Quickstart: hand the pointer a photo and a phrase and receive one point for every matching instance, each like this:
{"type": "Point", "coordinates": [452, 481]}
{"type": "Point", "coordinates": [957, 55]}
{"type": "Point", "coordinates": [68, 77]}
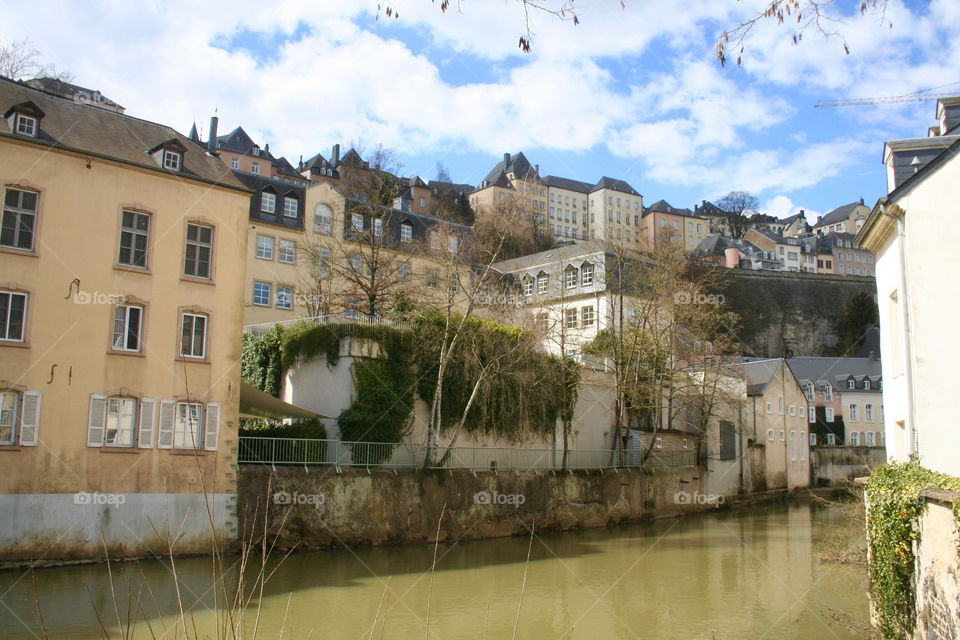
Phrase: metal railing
{"type": "Point", "coordinates": [339, 454]}
{"type": "Point", "coordinates": [330, 318]}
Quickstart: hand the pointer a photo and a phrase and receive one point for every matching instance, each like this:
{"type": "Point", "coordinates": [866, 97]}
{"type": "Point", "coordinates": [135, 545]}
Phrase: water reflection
{"type": "Point", "coordinates": [725, 575]}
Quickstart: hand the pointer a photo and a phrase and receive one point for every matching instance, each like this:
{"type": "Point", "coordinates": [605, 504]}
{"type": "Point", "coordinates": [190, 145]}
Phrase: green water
{"type": "Point", "coordinates": [749, 574]}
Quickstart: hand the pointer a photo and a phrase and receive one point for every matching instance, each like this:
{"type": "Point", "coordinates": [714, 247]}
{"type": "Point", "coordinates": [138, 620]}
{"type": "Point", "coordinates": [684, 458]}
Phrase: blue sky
{"type": "Point", "coordinates": [632, 93]}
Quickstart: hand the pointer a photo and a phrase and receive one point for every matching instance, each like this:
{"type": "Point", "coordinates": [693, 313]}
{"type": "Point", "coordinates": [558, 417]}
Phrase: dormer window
{"type": "Point", "coordinates": [866, 385]}
{"type": "Point", "coordinates": [169, 154]}
{"type": "Point", "coordinates": [171, 160]}
{"type": "Point", "coordinates": [851, 384]}
{"type": "Point", "coordinates": [24, 119]}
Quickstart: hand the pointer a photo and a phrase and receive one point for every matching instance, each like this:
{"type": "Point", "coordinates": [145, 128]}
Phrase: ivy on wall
{"type": "Point", "coordinates": [895, 505]}
{"type": "Point", "coordinates": [524, 397]}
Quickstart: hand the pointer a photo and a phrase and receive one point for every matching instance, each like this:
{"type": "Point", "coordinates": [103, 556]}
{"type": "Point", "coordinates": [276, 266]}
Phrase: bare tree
{"type": "Point", "coordinates": [736, 204]}
{"type": "Point", "coordinates": [20, 59]}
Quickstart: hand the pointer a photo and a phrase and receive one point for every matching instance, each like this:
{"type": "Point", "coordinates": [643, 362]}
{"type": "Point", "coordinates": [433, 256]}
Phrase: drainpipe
{"type": "Point", "coordinates": [740, 441]}
{"type": "Point", "coordinates": [908, 331]}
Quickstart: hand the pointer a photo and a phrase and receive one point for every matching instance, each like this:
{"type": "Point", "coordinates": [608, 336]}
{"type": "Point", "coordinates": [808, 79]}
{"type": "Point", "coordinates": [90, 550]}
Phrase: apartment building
{"type": "Point", "coordinates": [569, 213]}
{"type": "Point", "coordinates": [617, 209]}
{"type": "Point", "coordinates": [123, 252]}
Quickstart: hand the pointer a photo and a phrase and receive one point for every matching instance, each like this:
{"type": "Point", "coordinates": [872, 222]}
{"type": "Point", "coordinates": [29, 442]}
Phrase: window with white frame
{"type": "Point", "coordinates": [542, 281]}
{"type": "Point", "coordinates": [780, 405]}
{"type": "Point", "coordinates": [570, 318]}
{"type": "Point", "coordinates": [866, 385]}
{"type": "Point", "coordinates": [291, 207]}
{"type": "Point", "coordinates": [829, 412]}
{"type": "Point", "coordinates": [355, 263]}
{"type": "Point", "coordinates": [803, 411]}
{"type": "Point", "coordinates": [19, 219]}
{"type": "Point", "coordinates": [268, 202]}
{"type": "Point", "coordinates": [134, 239]}
{"type": "Point", "coordinates": [255, 167]}
{"type": "Point", "coordinates": [769, 407]}
{"type": "Point", "coordinates": [811, 414]}
{"type": "Point", "coordinates": [782, 435]}
{"type": "Point", "coordinates": [570, 277]}
{"type": "Point", "coordinates": [543, 322]}
{"type": "Point", "coordinates": [869, 438]}
{"type": "Point", "coordinates": [406, 232]}
{"type": "Point", "coordinates": [352, 312]}
{"type": "Point", "coordinates": [813, 439]}
{"type": "Point", "coordinates": [127, 321]}
{"type": "Point", "coordinates": [586, 275]}
{"type": "Point", "coordinates": [19, 417]}
{"type": "Point", "coordinates": [120, 422]}
{"type": "Point", "coordinates": [433, 278]}
{"type": "Point", "coordinates": [868, 412]}
{"type": "Point", "coordinates": [288, 252]}
{"type": "Point", "coordinates": [811, 391]}
{"type": "Point", "coordinates": [403, 273]}
{"type": "Point", "coordinates": [853, 413]}
{"type": "Point", "coordinates": [196, 261]}
{"type": "Point", "coordinates": [586, 316]}
{"type": "Point", "coordinates": [356, 221]}
{"type": "Point", "coordinates": [171, 160]}
{"type": "Point", "coordinates": [770, 435]}
{"type": "Point", "coordinates": [284, 297]}
{"type": "Point", "coordinates": [322, 219]}
{"type": "Point", "coordinates": [527, 286]}
{"type": "Point", "coordinates": [851, 384]}
{"type": "Point", "coordinates": [186, 430]}
{"type": "Point", "coordinates": [193, 335]}
{"type": "Point", "coordinates": [13, 315]}
{"type": "Point", "coordinates": [793, 445]}
{"type": "Point", "coordinates": [26, 125]}
{"type": "Point", "coordinates": [265, 247]}
{"type": "Point", "coordinates": [803, 445]}
{"type": "Point", "coordinates": [854, 438]}
{"type": "Point", "coordinates": [454, 283]}
{"type": "Point", "coordinates": [831, 439]}
{"type": "Point", "coordinates": [377, 227]}
{"type": "Point", "coordinates": [234, 163]}
{"type": "Point", "coordinates": [828, 392]}
{"type": "Point", "coordinates": [792, 410]}
{"type": "Point", "coordinates": [322, 264]}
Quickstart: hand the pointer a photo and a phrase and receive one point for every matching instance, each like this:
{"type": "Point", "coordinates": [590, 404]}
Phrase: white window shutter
{"type": "Point", "coordinates": [30, 418]}
{"type": "Point", "coordinates": [168, 410]}
{"type": "Point", "coordinates": [98, 420]}
{"type": "Point", "coordinates": [211, 434]}
{"type": "Point", "coordinates": [148, 415]}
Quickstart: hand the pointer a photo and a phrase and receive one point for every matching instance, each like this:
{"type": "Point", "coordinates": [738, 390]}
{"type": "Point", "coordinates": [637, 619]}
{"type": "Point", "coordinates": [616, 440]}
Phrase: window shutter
{"type": "Point", "coordinates": [148, 413]}
{"type": "Point", "coordinates": [211, 434]}
{"type": "Point", "coordinates": [30, 418]}
{"type": "Point", "coordinates": [168, 409]}
{"type": "Point", "coordinates": [97, 421]}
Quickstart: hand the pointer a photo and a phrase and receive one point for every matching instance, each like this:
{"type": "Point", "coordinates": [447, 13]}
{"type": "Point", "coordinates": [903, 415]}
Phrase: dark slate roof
{"type": "Point", "coordinates": [283, 167]}
{"type": "Point", "coordinates": [103, 133]}
{"type": "Point", "coordinates": [791, 219]}
{"type": "Point", "coordinates": [835, 370]}
{"type": "Point", "coordinates": [758, 374]}
{"type": "Point", "coordinates": [449, 188]}
{"type": "Point", "coordinates": [615, 185]}
{"type": "Point", "coordinates": [840, 214]}
{"type": "Point", "coordinates": [319, 165]}
{"type": "Point", "coordinates": [259, 183]}
{"type": "Point", "coordinates": [68, 90]}
{"type": "Point", "coordinates": [352, 159]}
{"type": "Point", "coordinates": [516, 164]}
{"type": "Point", "coordinates": [709, 209]}
{"type": "Point", "coordinates": [871, 343]}
{"type": "Point", "coordinates": [567, 183]}
{"type": "Point", "coordinates": [238, 141]}
{"type": "Point", "coordinates": [420, 224]}
{"type": "Point", "coordinates": [662, 206]}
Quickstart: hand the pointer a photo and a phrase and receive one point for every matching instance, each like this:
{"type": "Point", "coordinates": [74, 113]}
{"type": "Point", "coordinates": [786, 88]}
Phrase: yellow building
{"type": "Point", "coordinates": [122, 260]}
{"type": "Point", "coordinates": [515, 185]}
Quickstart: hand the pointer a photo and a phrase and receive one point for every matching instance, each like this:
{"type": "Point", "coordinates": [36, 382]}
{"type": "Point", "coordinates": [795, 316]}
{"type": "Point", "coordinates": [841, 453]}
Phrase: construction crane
{"type": "Point", "coordinates": [909, 97]}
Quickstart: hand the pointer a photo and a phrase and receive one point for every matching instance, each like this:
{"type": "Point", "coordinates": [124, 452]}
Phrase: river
{"type": "Point", "coordinates": [740, 574]}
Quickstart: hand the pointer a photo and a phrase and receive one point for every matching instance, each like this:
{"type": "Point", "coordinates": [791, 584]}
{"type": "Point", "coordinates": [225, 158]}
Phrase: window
{"type": "Point", "coordinates": [542, 281]}
{"type": "Point", "coordinates": [199, 243]}
{"type": "Point", "coordinates": [291, 207]}
{"type": "Point", "coordinates": [356, 221]}
{"type": "Point", "coordinates": [193, 335]}
{"type": "Point", "coordinates": [866, 385]}
{"type": "Point", "coordinates": [186, 430]}
{"type": "Point", "coordinates": [770, 435]}
{"type": "Point", "coordinates": [255, 167]}
{"type": "Point", "coordinates": [803, 443]}
{"type": "Point", "coordinates": [813, 439]}
{"type": "Point", "coordinates": [26, 407]}
{"type": "Point", "coordinates": [831, 439]}
{"type": "Point", "coordinates": [868, 412]}
{"type": "Point", "coordinates": [586, 275]}
{"type": "Point", "coordinates": [171, 160]}
{"type": "Point", "coordinates": [851, 384]}
{"type": "Point", "coordinates": [13, 314]}
{"type": "Point", "coordinates": [811, 414]}
{"type": "Point", "coordinates": [829, 412]}
{"type": "Point", "coordinates": [19, 219]}
{"type": "Point", "coordinates": [433, 278]}
{"type": "Point", "coordinates": [793, 445]}
{"type": "Point", "coordinates": [542, 322]}
{"type": "Point", "coordinates": [422, 203]}
{"type": "Point", "coordinates": [853, 413]}
{"type": "Point", "coordinates": [406, 232]}
{"type": "Point", "coordinates": [403, 273]}
{"type": "Point", "coordinates": [854, 438]}
{"type": "Point", "coordinates": [810, 392]}
{"type": "Point", "coordinates": [869, 438]}
{"type": "Point", "coordinates": [268, 202]}
{"type": "Point", "coordinates": [454, 283]}
{"type": "Point", "coordinates": [780, 405]}
{"type": "Point", "coordinates": [803, 411]}
{"type": "Point", "coordinates": [265, 247]}
{"type": "Point", "coordinates": [658, 443]}
{"type": "Point", "coordinates": [234, 163]}
{"type": "Point", "coordinates": [284, 297]}
{"type": "Point", "coordinates": [322, 219]}
{"type": "Point", "coordinates": [377, 227]}
{"type": "Point", "coordinates": [792, 410]}
{"type": "Point", "coordinates": [26, 125]}
{"type": "Point", "coordinates": [352, 311]}
{"type": "Point", "coordinates": [828, 392]}
{"type": "Point", "coordinates": [570, 318]}
{"type": "Point", "coordinates": [121, 413]}
{"type": "Point", "coordinates": [134, 233]}
{"type": "Point", "coordinates": [288, 252]}
{"type": "Point", "coordinates": [127, 320]}
{"type": "Point", "coordinates": [453, 243]}
{"type": "Point", "coordinates": [323, 262]}
{"type": "Point", "coordinates": [586, 316]}
{"type": "Point", "coordinates": [355, 263]}
{"type": "Point", "coordinates": [570, 278]}
{"type": "Point", "coordinates": [769, 407]}
{"type": "Point", "coordinates": [782, 435]}
{"type": "Point", "coordinates": [528, 286]}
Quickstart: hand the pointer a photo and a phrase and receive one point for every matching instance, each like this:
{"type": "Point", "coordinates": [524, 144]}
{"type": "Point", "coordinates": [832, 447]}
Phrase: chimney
{"type": "Point", "coordinates": [266, 149]}
{"type": "Point", "coordinates": [335, 156]}
{"type": "Point", "coordinates": [506, 160]}
{"type": "Point", "coordinates": [819, 218]}
{"type": "Point", "coordinates": [861, 200]}
{"type": "Point", "coordinates": [212, 140]}
{"type": "Point", "coordinates": [803, 214]}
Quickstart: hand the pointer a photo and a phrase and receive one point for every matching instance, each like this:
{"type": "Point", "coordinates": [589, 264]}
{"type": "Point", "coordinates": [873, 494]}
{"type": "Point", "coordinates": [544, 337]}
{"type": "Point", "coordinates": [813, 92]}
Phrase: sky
{"type": "Point", "coordinates": [632, 92]}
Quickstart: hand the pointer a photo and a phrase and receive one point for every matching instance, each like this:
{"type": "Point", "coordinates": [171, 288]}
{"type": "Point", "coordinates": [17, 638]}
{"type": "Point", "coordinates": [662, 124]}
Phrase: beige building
{"type": "Point", "coordinates": [616, 213]}
{"type": "Point", "coordinates": [122, 253]}
{"type": "Point", "coordinates": [568, 209]}
{"type": "Point", "coordinates": [515, 185]}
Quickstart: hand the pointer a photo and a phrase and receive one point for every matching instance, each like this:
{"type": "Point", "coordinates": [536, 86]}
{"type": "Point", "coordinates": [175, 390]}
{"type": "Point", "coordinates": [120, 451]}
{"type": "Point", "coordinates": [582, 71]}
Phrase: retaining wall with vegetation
{"type": "Point", "coordinates": [320, 509]}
